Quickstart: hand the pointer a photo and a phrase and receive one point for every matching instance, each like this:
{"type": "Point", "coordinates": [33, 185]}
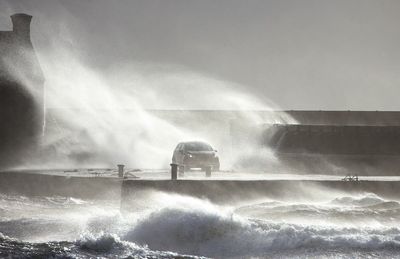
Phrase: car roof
{"type": "Point", "coordinates": [195, 142]}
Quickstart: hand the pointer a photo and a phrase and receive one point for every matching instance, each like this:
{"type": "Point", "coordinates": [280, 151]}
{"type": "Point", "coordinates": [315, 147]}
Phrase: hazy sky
{"type": "Point", "coordinates": [308, 54]}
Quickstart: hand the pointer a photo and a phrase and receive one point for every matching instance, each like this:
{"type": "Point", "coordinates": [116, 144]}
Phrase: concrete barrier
{"type": "Point", "coordinates": [222, 191]}
{"type": "Point", "coordinates": [35, 184]}
{"type": "Point", "coordinates": [219, 191]}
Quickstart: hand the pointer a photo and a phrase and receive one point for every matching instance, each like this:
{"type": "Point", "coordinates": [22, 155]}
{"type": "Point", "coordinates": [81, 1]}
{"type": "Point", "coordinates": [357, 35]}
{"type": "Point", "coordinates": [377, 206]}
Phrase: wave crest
{"type": "Point", "coordinates": [367, 199]}
{"type": "Point", "coordinates": [207, 233]}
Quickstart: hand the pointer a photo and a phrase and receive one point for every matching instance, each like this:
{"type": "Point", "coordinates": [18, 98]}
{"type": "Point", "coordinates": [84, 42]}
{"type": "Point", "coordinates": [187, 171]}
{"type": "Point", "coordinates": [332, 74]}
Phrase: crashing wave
{"type": "Point", "coordinates": [101, 246]}
{"type": "Point", "coordinates": [367, 199]}
{"type": "Point", "coordinates": [192, 226]}
{"type": "Point", "coordinates": [215, 234]}
{"type": "Point", "coordinates": [112, 245]}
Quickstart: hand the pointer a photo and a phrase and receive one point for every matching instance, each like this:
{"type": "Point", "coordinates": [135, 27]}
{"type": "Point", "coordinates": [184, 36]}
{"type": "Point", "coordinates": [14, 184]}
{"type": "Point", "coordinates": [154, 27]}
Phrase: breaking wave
{"type": "Point", "coordinates": [215, 234]}
{"type": "Point", "coordinates": [367, 199]}
{"type": "Point", "coordinates": [344, 211]}
{"type": "Point", "coordinates": [102, 246]}
{"type": "Point", "coordinates": [112, 245]}
{"type": "Point", "coordinates": [176, 226]}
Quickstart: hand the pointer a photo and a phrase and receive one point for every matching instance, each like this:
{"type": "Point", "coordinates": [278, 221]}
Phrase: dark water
{"type": "Point", "coordinates": [173, 226]}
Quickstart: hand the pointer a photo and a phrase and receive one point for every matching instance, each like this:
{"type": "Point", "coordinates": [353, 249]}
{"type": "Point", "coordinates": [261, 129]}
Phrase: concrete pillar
{"type": "Point", "coordinates": [174, 171]}
{"type": "Point", "coordinates": [121, 171]}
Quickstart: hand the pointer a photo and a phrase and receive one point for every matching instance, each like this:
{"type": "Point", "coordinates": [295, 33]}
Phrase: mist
{"type": "Point", "coordinates": [98, 94]}
{"type": "Point", "coordinates": [314, 55]}
{"type": "Point", "coordinates": [99, 119]}
{"type": "Point", "coordinates": [98, 116]}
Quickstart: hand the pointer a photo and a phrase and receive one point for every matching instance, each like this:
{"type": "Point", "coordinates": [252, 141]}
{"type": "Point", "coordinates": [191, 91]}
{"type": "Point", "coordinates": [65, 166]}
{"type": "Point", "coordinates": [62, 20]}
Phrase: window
{"type": "Point", "coordinates": [198, 146]}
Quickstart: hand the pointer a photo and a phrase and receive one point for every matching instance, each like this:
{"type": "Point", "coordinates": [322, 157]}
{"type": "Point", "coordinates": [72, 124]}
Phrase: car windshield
{"type": "Point", "coordinates": [197, 147]}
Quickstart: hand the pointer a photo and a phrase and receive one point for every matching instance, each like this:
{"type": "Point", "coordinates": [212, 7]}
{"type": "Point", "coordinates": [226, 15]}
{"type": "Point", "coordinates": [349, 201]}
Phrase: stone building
{"type": "Point", "coordinates": [21, 93]}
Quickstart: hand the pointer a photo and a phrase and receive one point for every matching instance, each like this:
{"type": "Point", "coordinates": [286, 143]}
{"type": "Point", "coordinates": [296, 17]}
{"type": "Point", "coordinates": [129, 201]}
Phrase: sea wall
{"type": "Point", "coordinates": [238, 190]}
{"type": "Point", "coordinates": [30, 183]}
{"type": "Point", "coordinates": [333, 139]}
{"type": "Point", "coordinates": [36, 184]}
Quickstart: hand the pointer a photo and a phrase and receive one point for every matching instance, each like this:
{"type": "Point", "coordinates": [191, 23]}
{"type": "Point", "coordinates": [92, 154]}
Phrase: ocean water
{"type": "Point", "coordinates": [164, 225]}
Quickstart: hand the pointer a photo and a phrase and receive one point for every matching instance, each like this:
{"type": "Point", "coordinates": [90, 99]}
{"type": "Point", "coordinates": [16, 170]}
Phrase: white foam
{"type": "Point", "coordinates": [215, 233]}
{"type": "Point", "coordinates": [188, 225]}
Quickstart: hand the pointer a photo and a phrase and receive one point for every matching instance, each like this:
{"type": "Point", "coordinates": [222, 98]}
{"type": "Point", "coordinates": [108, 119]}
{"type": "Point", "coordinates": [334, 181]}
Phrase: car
{"type": "Point", "coordinates": [195, 154]}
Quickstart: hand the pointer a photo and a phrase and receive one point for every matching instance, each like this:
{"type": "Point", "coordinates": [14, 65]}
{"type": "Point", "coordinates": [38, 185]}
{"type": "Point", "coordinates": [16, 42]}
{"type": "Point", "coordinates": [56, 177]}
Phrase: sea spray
{"type": "Point", "coordinates": [99, 117]}
{"type": "Point", "coordinates": [176, 224]}
{"type": "Point", "coordinates": [195, 231]}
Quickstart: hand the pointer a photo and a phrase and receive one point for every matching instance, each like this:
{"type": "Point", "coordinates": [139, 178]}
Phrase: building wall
{"type": "Point", "coordinates": [21, 93]}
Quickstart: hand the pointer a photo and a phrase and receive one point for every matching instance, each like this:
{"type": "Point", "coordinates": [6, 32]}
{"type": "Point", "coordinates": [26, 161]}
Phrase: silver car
{"type": "Point", "coordinates": [195, 154]}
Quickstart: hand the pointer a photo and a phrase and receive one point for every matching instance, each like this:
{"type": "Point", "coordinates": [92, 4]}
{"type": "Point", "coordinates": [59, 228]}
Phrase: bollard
{"type": "Point", "coordinates": [208, 171]}
{"type": "Point", "coordinates": [120, 171]}
{"type": "Point", "coordinates": [174, 171]}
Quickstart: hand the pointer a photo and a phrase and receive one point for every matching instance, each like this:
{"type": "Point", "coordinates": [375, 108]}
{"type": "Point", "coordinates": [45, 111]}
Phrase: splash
{"type": "Point", "coordinates": [98, 118]}
{"type": "Point", "coordinates": [365, 224]}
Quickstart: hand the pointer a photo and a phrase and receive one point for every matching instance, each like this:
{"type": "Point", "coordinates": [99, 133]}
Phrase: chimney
{"type": "Point", "coordinates": [22, 25]}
